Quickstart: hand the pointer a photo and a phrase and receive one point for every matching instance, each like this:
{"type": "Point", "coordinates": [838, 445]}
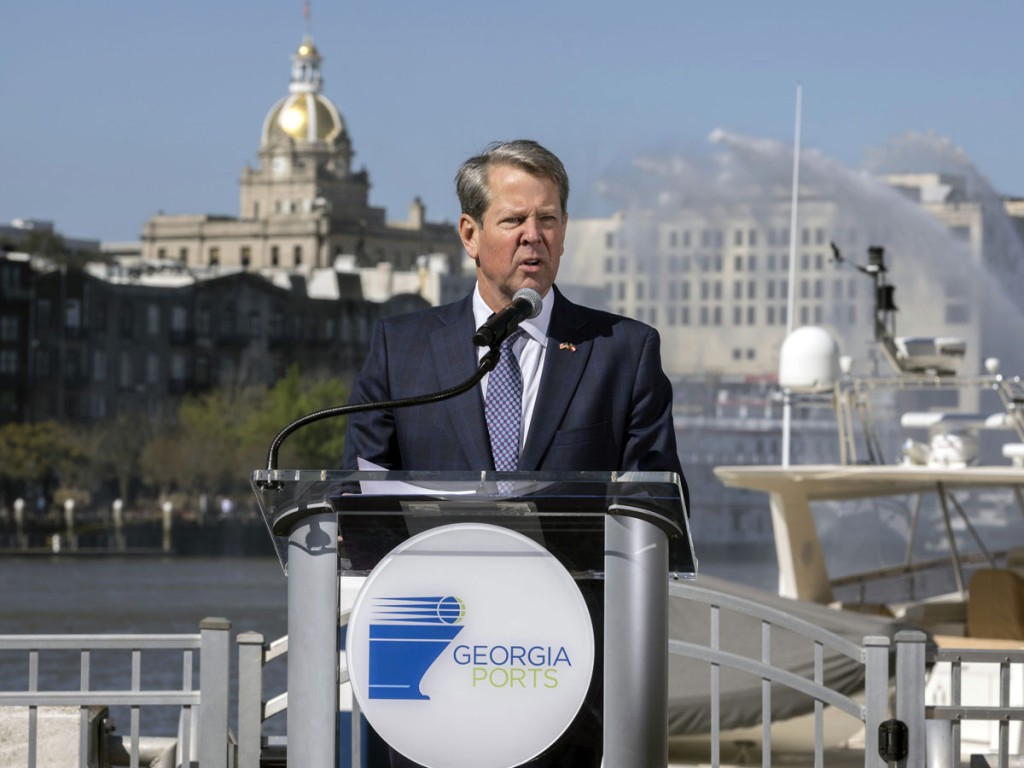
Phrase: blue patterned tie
{"type": "Point", "coordinates": [503, 406]}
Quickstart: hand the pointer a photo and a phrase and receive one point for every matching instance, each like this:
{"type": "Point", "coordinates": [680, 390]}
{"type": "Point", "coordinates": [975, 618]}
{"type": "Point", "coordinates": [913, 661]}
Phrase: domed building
{"type": "Point", "coordinates": [304, 206]}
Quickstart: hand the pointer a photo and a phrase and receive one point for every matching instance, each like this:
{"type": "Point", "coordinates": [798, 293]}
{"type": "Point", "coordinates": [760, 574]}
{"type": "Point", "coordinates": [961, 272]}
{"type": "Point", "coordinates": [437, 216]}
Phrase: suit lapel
{"type": "Point", "coordinates": [455, 361]}
{"type": "Point", "coordinates": [564, 362]}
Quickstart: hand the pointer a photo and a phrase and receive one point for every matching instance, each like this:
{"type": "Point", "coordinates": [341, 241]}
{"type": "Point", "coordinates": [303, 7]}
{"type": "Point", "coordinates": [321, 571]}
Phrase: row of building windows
{"type": "Point", "coordinates": [741, 237]}
{"type": "Point", "coordinates": [714, 289]}
{"type": "Point", "coordinates": [715, 315]}
{"type": "Point", "coordinates": [713, 263]}
{"type": "Point", "coordinates": [715, 238]}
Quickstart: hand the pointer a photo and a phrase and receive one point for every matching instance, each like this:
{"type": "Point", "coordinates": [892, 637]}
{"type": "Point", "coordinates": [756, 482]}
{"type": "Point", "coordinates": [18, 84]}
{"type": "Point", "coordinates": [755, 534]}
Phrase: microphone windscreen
{"type": "Point", "coordinates": [532, 296]}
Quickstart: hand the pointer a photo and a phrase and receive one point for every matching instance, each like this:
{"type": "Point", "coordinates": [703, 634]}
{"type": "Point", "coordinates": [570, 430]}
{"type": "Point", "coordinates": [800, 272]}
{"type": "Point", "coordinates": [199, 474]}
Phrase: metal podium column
{"type": "Point", "coordinates": [635, 644]}
{"type": "Point", "coordinates": [313, 642]}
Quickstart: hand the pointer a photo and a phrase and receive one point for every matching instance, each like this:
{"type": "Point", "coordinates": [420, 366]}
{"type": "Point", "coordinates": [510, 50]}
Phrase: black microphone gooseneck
{"type": "Point", "coordinates": [487, 363]}
{"type": "Point", "coordinates": [526, 303]}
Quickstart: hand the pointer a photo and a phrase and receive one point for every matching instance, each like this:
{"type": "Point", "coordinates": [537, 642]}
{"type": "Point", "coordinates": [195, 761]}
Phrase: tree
{"type": "Point", "coordinates": [34, 457]}
{"type": "Point", "coordinates": [316, 446]}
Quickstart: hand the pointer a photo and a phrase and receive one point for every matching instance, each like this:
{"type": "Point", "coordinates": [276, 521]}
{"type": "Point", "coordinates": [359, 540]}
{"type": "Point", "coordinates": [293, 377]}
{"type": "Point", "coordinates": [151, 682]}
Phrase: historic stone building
{"type": "Point", "coordinates": [304, 204]}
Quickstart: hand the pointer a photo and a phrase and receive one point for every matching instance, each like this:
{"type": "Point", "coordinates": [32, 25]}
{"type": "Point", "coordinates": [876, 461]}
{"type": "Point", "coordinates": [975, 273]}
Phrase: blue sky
{"type": "Point", "coordinates": [113, 110]}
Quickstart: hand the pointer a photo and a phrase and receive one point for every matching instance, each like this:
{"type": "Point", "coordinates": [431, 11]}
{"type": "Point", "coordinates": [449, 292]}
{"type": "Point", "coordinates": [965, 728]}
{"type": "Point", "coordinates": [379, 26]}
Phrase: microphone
{"type": "Point", "coordinates": [526, 303]}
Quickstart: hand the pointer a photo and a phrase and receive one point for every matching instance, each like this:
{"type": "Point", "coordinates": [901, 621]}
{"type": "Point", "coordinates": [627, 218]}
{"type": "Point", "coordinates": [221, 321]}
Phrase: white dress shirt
{"type": "Point", "coordinates": [529, 350]}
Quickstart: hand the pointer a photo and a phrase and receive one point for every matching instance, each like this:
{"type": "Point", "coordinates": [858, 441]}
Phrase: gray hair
{"type": "Point", "coordinates": [472, 183]}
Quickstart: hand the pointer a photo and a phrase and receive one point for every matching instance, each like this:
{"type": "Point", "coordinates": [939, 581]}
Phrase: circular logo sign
{"type": "Point", "coordinates": [470, 646]}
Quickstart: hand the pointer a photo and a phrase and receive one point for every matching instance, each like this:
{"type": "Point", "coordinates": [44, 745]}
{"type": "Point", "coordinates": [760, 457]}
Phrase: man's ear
{"type": "Point", "coordinates": [469, 232]}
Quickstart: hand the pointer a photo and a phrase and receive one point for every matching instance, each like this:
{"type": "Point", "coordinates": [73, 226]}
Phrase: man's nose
{"type": "Point", "coordinates": [531, 230]}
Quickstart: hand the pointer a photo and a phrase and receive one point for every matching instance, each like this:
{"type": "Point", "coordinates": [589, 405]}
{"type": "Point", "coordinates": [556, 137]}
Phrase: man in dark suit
{"type": "Point", "coordinates": [594, 395]}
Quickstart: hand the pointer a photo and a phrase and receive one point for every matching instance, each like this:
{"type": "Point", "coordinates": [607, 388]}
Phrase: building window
{"type": "Point", "coordinates": [99, 365]}
{"type": "Point", "coordinates": [737, 237]}
{"type": "Point", "coordinates": [609, 240]}
{"type": "Point", "coordinates": [769, 315]}
{"type": "Point", "coordinates": [183, 254]}
{"type": "Point", "coordinates": [178, 318]}
{"type": "Point", "coordinates": [737, 263]}
{"type": "Point", "coordinates": [153, 319]}
{"type": "Point", "coordinates": [737, 289]}
{"type": "Point", "coordinates": [214, 256]}
{"type": "Point", "coordinates": [957, 314]}
{"type": "Point", "coordinates": [275, 256]}
{"type": "Point", "coordinates": [8, 361]}
{"type": "Point", "coordinates": [752, 237]}
{"type": "Point", "coordinates": [686, 316]}
{"type": "Point", "coordinates": [752, 262]}
{"type": "Point", "coordinates": [246, 256]}
{"type": "Point", "coordinates": [297, 255]}
{"type": "Point", "coordinates": [178, 366]}
{"type": "Point", "coordinates": [73, 314]}
{"type": "Point", "coordinates": [9, 328]}
{"type": "Point", "coordinates": [152, 368]}
{"type": "Point", "coordinates": [751, 316]}
{"type": "Point", "coordinates": [126, 370]}
{"type": "Point", "coordinates": [737, 315]}
{"type": "Point", "coordinates": [673, 239]}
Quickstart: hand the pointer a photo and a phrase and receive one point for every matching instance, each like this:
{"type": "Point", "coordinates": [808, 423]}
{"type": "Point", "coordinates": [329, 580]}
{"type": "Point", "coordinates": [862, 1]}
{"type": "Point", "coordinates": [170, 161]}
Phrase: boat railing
{"type": "Point", "coordinates": [874, 655]}
{"type": "Point", "coordinates": [25, 713]}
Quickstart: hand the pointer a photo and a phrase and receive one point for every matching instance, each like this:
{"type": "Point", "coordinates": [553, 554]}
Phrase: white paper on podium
{"type": "Point", "coordinates": [397, 487]}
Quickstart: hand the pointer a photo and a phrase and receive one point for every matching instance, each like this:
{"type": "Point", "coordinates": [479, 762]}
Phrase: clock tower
{"type": "Point", "coordinates": [305, 154]}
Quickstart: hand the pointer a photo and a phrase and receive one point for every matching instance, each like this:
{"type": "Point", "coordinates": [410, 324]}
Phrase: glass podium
{"type": "Point", "coordinates": [628, 529]}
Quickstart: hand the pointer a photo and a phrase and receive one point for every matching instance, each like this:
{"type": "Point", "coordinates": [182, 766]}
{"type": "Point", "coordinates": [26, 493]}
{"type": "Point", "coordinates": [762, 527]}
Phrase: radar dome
{"type": "Point", "coordinates": [809, 360]}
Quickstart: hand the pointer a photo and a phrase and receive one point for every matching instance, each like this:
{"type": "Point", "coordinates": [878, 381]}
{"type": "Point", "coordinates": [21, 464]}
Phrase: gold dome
{"type": "Point", "coordinates": [304, 117]}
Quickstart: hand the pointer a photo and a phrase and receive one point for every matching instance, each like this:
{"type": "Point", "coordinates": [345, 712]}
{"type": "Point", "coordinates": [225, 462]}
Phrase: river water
{"type": "Point", "coordinates": [127, 595]}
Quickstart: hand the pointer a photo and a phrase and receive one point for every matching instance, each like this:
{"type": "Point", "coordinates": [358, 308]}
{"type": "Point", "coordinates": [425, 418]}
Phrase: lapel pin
{"type": "Point", "coordinates": [567, 345]}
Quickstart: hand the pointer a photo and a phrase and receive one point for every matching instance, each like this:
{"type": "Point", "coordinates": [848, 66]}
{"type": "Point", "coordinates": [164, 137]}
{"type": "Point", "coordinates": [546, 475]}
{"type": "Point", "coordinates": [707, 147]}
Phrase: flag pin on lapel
{"type": "Point", "coordinates": [567, 345]}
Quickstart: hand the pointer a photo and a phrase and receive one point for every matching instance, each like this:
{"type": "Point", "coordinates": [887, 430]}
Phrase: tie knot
{"type": "Point", "coordinates": [512, 338]}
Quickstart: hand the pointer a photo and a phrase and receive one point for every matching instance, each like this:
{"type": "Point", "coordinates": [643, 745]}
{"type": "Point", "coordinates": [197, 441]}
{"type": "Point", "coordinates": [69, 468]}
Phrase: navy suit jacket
{"type": "Point", "coordinates": [604, 401]}
{"type": "Point", "coordinates": [604, 404]}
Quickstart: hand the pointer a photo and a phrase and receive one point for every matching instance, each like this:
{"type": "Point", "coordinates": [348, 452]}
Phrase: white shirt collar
{"type": "Point", "coordinates": [537, 327]}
